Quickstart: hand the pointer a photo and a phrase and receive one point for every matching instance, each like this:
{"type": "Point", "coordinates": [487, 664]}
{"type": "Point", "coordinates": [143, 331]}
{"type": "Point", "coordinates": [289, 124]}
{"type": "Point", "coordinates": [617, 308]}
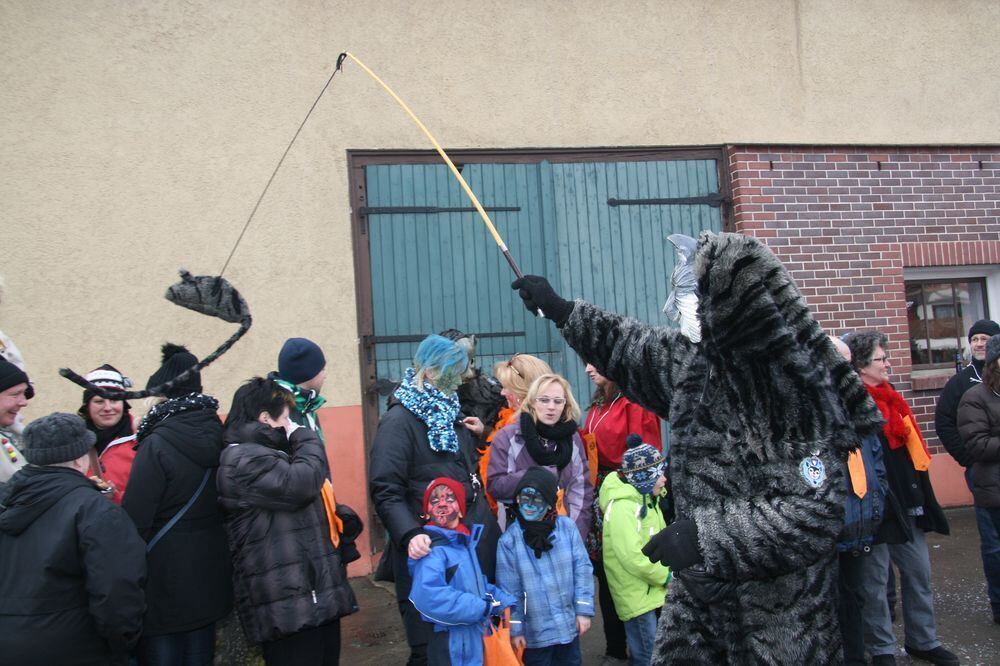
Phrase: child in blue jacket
{"type": "Point", "coordinates": [543, 563]}
{"type": "Point", "coordinates": [449, 588]}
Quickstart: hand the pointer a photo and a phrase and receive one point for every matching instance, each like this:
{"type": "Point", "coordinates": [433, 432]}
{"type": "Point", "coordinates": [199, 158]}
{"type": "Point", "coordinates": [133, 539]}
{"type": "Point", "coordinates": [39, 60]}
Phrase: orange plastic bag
{"type": "Point", "coordinates": [497, 650]}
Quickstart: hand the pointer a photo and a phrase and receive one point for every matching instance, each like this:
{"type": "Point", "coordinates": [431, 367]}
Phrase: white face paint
{"type": "Point", "coordinates": [682, 304]}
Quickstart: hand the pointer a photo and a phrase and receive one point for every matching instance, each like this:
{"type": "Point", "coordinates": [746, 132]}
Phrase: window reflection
{"type": "Point", "coordinates": [939, 313]}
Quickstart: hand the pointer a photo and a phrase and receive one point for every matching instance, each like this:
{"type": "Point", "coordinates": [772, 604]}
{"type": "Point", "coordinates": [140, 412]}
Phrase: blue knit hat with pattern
{"type": "Point", "coordinates": [641, 464]}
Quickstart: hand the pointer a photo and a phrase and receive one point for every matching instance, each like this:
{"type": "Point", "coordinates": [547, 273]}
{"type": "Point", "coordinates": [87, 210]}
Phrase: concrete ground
{"type": "Point", "coordinates": [375, 635]}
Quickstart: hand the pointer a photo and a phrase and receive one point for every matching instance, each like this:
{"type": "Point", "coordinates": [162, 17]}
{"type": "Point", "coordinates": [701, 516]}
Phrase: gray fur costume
{"type": "Point", "coordinates": [752, 408]}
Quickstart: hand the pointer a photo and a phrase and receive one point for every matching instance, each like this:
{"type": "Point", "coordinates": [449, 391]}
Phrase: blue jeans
{"type": "Point", "coordinates": [188, 648]}
{"type": "Point", "coordinates": [567, 654]}
{"type": "Point", "coordinates": [640, 632]}
{"type": "Point", "coordinates": [912, 559]}
{"type": "Point", "coordinates": [989, 548]}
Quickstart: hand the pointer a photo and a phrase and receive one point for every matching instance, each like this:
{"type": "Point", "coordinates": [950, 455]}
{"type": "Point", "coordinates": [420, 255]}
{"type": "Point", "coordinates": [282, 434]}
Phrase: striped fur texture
{"type": "Point", "coordinates": [761, 393]}
{"type": "Point", "coordinates": [208, 294]}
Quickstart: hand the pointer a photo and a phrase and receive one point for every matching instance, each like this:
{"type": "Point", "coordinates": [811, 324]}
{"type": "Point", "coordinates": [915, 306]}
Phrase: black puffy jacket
{"type": "Point", "coordinates": [286, 573]}
{"type": "Point", "coordinates": [190, 574]}
{"type": "Point", "coordinates": [979, 422]}
{"type": "Point", "coordinates": [71, 572]}
{"type": "Point", "coordinates": [401, 465]}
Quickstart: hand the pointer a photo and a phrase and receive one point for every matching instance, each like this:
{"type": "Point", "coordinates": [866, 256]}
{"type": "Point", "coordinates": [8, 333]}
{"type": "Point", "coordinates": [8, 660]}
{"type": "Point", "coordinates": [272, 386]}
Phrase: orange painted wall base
{"type": "Point", "coordinates": [343, 432]}
{"type": "Point", "coordinates": [345, 449]}
{"type": "Point", "coordinates": [948, 479]}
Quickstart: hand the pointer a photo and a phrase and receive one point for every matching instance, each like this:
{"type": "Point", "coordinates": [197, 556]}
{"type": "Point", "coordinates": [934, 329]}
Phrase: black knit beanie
{"type": "Point", "coordinates": [987, 326]}
{"type": "Point", "coordinates": [300, 360]}
{"type": "Point", "coordinates": [543, 481]}
{"type": "Point", "coordinates": [11, 375]}
{"type": "Point", "coordinates": [56, 438]}
{"type": "Point", "coordinates": [176, 359]}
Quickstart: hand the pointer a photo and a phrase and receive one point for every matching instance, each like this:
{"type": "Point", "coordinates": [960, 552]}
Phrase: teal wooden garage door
{"type": "Point", "coordinates": [596, 229]}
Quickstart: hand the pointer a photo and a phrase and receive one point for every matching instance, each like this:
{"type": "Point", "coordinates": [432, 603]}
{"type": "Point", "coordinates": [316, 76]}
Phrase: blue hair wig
{"type": "Point", "coordinates": [441, 353]}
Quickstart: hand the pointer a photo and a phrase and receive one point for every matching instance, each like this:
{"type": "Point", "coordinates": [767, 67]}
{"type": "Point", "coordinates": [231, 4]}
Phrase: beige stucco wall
{"type": "Point", "coordinates": [135, 137]}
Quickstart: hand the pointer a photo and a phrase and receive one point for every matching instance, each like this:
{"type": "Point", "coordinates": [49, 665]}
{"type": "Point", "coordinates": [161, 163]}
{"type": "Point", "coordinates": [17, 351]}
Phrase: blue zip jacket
{"type": "Point", "coordinates": [450, 592]}
{"type": "Point", "coordinates": [550, 591]}
{"type": "Point", "coordinates": [863, 516]}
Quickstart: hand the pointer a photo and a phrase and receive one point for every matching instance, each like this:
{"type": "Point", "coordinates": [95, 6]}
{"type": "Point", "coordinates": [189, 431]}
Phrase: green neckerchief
{"type": "Point", "coordinates": [306, 404]}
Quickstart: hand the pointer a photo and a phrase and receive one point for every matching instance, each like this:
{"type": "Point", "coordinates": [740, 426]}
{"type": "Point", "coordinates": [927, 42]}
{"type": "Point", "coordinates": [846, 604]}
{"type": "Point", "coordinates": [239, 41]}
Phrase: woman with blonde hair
{"type": "Point", "coordinates": [515, 377]}
{"type": "Point", "coordinates": [545, 435]}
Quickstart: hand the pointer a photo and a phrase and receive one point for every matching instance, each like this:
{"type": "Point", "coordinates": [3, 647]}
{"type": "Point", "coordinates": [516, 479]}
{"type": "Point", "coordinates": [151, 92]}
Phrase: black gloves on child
{"type": "Point", "coordinates": [538, 294]}
{"type": "Point", "coordinates": [675, 546]}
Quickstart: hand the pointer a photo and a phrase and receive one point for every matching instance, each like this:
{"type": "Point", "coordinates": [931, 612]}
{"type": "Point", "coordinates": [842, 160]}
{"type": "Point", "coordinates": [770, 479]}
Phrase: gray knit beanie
{"type": "Point", "coordinates": [56, 438]}
{"type": "Point", "coordinates": [993, 349]}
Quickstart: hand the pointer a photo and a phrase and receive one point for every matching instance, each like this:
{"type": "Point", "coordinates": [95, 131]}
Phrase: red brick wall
{"type": "Point", "coordinates": [847, 220]}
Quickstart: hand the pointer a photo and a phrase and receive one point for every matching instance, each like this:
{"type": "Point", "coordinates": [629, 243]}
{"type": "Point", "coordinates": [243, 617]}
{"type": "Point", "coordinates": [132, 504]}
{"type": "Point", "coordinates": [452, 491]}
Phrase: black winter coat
{"type": "Point", "coordinates": [946, 412]}
{"type": "Point", "coordinates": [190, 575]}
{"type": "Point", "coordinates": [71, 572]}
{"type": "Point", "coordinates": [912, 489]}
{"type": "Point", "coordinates": [979, 423]}
{"type": "Point", "coordinates": [401, 465]}
{"type": "Point", "coordinates": [287, 575]}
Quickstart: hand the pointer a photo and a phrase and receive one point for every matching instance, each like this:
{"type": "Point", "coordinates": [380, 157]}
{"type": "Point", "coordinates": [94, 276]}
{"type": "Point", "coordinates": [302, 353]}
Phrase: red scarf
{"type": "Point", "coordinates": [894, 409]}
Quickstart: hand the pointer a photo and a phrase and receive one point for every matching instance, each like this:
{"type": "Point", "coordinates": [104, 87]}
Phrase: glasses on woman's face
{"type": "Point", "coordinates": [558, 402]}
{"type": "Point", "coordinates": [880, 359]}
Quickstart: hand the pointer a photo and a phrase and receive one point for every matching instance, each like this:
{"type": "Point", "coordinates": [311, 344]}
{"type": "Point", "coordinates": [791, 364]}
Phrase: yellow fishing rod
{"type": "Point", "coordinates": [451, 165]}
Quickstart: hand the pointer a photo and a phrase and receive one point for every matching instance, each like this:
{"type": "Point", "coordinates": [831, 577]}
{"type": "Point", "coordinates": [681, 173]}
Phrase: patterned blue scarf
{"type": "Point", "coordinates": [434, 408]}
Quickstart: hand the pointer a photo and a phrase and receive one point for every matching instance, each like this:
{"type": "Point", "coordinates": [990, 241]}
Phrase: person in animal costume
{"type": "Point", "coordinates": [763, 412]}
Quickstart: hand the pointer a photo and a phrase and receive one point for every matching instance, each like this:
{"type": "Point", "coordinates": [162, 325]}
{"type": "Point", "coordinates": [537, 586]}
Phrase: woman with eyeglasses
{"type": "Point", "coordinates": [420, 438]}
{"type": "Point", "coordinates": [515, 377]}
{"type": "Point", "coordinates": [907, 460]}
{"type": "Point", "coordinates": [544, 435]}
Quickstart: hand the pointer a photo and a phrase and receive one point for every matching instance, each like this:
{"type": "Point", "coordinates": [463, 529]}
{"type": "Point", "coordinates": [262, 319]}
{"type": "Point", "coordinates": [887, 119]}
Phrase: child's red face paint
{"type": "Point", "coordinates": [443, 507]}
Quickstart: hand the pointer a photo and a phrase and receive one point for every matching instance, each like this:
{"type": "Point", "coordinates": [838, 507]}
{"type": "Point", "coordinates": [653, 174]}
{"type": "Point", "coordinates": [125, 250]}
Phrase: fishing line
{"type": "Point", "coordinates": [280, 162]}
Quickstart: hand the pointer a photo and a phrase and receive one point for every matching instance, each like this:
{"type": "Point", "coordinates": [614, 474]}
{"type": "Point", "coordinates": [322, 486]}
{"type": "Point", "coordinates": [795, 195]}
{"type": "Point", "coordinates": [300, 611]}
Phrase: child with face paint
{"type": "Point", "coordinates": [449, 588]}
{"type": "Point", "coordinates": [542, 561]}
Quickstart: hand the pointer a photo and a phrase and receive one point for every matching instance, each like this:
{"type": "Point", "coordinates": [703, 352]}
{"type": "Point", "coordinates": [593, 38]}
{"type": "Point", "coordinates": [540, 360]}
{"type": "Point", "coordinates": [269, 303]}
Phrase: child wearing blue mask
{"type": "Point", "coordinates": [542, 561]}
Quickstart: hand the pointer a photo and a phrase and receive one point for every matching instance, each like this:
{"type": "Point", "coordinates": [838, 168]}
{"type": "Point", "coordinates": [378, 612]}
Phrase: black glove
{"type": "Point", "coordinates": [538, 294]}
{"type": "Point", "coordinates": [675, 546]}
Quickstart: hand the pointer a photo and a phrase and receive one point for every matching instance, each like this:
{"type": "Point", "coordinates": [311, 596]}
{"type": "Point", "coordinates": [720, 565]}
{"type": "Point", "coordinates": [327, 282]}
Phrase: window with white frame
{"type": "Point", "coordinates": [941, 306]}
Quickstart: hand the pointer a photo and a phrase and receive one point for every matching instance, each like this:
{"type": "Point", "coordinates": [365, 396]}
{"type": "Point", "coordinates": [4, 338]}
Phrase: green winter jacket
{"type": "Point", "coordinates": [637, 585]}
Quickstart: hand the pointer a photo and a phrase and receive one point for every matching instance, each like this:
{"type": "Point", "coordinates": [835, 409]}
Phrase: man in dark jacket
{"type": "Point", "coordinates": [302, 372]}
{"type": "Point", "coordinates": [73, 564]}
{"type": "Point", "coordinates": [946, 426]}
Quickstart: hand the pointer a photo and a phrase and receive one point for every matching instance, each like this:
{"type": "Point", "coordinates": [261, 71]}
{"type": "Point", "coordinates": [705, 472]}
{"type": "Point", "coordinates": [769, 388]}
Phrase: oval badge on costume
{"type": "Point", "coordinates": [813, 471]}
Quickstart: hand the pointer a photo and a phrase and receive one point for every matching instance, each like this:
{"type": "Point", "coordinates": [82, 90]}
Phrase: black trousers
{"type": "Point", "coordinates": [614, 628]}
{"type": "Point", "coordinates": [849, 608]}
{"type": "Point", "coordinates": [320, 645]}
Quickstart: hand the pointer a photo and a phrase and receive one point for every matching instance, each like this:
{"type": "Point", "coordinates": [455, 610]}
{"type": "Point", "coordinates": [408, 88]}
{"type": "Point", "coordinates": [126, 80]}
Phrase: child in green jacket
{"type": "Point", "coordinates": [630, 502]}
